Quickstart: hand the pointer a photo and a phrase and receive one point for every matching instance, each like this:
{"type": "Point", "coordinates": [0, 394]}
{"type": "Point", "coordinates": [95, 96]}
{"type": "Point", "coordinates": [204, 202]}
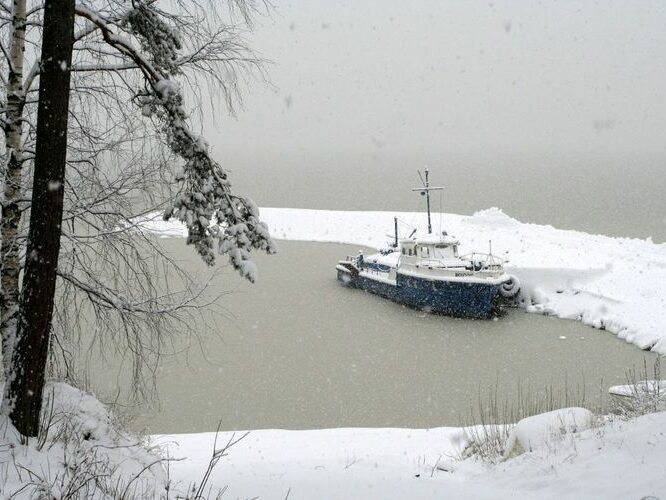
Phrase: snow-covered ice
{"type": "Point", "coordinates": [617, 284]}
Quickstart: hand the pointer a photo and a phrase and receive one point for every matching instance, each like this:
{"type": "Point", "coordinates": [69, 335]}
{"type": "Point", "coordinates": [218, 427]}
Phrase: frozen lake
{"type": "Point", "coordinates": [298, 351]}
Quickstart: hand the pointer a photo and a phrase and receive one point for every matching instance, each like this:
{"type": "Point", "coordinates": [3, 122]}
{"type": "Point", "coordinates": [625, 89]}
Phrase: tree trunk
{"type": "Point", "coordinates": [24, 394]}
{"type": "Point", "coordinates": [10, 265]}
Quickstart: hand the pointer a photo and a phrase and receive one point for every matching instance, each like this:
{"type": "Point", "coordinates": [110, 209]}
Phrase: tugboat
{"type": "Point", "coordinates": [427, 273]}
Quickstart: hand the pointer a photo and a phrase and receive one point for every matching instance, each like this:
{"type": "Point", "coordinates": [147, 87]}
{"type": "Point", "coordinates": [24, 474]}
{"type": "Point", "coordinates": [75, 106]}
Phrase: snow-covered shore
{"type": "Point", "coordinates": [620, 459]}
{"type": "Point", "coordinates": [567, 453]}
{"type": "Point", "coordinates": [617, 284]}
{"type": "Point", "coordinates": [81, 453]}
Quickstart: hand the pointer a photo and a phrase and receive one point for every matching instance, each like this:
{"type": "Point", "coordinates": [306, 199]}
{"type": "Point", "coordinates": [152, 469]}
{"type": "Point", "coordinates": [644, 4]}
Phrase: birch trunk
{"type": "Point", "coordinates": [10, 265]}
{"type": "Point", "coordinates": [33, 333]}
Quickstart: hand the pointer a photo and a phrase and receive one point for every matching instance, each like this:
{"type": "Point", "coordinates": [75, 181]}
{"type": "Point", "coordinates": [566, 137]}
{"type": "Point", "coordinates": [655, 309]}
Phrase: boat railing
{"type": "Point", "coordinates": [426, 262]}
{"type": "Point", "coordinates": [485, 259]}
{"type": "Point", "coordinates": [480, 262]}
{"type": "Point", "coordinates": [368, 266]}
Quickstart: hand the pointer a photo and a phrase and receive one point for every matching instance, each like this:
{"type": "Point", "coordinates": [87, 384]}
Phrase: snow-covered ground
{"type": "Point", "coordinates": [566, 453]}
{"type": "Point", "coordinates": [83, 454]}
{"type": "Point", "coordinates": [610, 460]}
{"type": "Point", "coordinates": [618, 284]}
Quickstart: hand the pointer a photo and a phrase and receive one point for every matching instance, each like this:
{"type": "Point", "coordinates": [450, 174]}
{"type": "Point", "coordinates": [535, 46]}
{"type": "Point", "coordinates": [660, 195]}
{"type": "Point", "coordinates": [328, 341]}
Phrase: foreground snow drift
{"type": "Point", "coordinates": [612, 460]}
{"type": "Point", "coordinates": [617, 284]}
{"type": "Point", "coordinates": [565, 453]}
{"type": "Point", "coordinates": [83, 455]}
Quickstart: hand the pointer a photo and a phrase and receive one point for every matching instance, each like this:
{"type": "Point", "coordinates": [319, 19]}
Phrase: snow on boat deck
{"type": "Point", "coordinates": [617, 284]}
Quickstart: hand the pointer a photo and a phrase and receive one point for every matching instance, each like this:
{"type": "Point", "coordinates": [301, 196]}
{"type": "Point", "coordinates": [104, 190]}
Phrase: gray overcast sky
{"type": "Point", "coordinates": [457, 75]}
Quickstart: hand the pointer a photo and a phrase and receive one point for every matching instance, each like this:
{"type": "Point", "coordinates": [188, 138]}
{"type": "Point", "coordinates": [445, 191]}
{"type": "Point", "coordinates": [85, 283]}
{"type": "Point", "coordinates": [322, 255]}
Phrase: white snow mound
{"type": "Point", "coordinates": [540, 430]}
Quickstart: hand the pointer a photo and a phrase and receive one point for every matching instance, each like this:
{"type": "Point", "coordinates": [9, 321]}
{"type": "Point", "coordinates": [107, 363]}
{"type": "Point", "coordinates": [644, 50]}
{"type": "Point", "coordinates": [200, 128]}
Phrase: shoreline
{"type": "Point", "coordinates": [614, 284]}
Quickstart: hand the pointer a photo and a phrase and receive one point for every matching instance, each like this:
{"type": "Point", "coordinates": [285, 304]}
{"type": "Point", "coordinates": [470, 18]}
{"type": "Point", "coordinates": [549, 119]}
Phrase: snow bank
{"type": "Point", "coordinates": [643, 396]}
{"type": "Point", "coordinates": [614, 460]}
{"type": "Point", "coordinates": [617, 284]}
{"type": "Point", "coordinates": [540, 430]}
{"type": "Point", "coordinates": [83, 455]}
{"type": "Point", "coordinates": [329, 463]}
{"type": "Point", "coordinates": [618, 459]}
{"type": "Point", "coordinates": [642, 387]}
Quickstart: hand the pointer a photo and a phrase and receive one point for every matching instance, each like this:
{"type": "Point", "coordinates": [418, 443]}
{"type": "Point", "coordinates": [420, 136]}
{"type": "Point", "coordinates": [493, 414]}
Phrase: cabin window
{"type": "Point", "coordinates": [443, 252]}
{"type": "Point", "coordinates": [425, 252]}
{"type": "Point", "coordinates": [410, 251]}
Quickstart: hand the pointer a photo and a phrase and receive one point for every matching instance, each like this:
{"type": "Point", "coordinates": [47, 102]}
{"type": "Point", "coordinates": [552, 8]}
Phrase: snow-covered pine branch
{"type": "Point", "coordinates": [205, 202]}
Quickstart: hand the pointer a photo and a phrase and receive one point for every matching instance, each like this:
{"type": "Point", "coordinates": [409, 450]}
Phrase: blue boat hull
{"type": "Point", "coordinates": [454, 298]}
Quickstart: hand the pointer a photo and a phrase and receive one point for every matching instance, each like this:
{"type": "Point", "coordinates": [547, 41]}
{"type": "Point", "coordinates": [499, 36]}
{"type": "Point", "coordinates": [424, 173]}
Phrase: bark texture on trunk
{"type": "Point", "coordinates": [10, 265]}
{"type": "Point", "coordinates": [26, 383]}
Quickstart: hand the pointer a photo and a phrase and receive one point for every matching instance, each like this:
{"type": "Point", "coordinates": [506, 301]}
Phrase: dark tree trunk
{"type": "Point", "coordinates": [24, 393]}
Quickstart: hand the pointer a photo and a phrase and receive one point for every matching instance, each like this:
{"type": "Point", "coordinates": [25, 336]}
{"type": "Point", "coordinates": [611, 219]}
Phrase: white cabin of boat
{"type": "Point", "coordinates": [437, 257]}
{"type": "Point", "coordinates": [441, 249]}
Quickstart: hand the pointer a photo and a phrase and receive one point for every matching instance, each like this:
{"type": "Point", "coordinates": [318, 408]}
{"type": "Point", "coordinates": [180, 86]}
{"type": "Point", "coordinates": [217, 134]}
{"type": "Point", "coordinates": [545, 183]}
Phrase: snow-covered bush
{"type": "Point", "coordinates": [643, 393]}
{"type": "Point", "coordinates": [541, 431]}
{"type": "Point", "coordinates": [494, 430]}
{"type": "Point", "coordinates": [497, 442]}
{"type": "Point", "coordinates": [640, 398]}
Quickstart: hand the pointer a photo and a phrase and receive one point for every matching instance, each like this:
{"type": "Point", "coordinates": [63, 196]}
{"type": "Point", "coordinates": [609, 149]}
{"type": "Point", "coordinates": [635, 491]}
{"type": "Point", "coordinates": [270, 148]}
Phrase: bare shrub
{"type": "Point", "coordinates": [644, 392]}
{"type": "Point", "coordinates": [488, 425]}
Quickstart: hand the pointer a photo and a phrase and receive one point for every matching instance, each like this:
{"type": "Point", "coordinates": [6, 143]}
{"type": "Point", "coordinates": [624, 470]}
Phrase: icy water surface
{"type": "Point", "coordinates": [301, 351]}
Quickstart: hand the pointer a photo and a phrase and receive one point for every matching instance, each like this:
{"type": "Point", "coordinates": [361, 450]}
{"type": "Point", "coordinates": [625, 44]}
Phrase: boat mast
{"type": "Point", "coordinates": [425, 191]}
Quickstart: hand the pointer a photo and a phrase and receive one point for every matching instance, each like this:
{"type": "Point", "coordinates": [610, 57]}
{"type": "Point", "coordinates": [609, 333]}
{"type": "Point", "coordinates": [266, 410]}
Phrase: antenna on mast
{"type": "Point", "coordinates": [425, 191]}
